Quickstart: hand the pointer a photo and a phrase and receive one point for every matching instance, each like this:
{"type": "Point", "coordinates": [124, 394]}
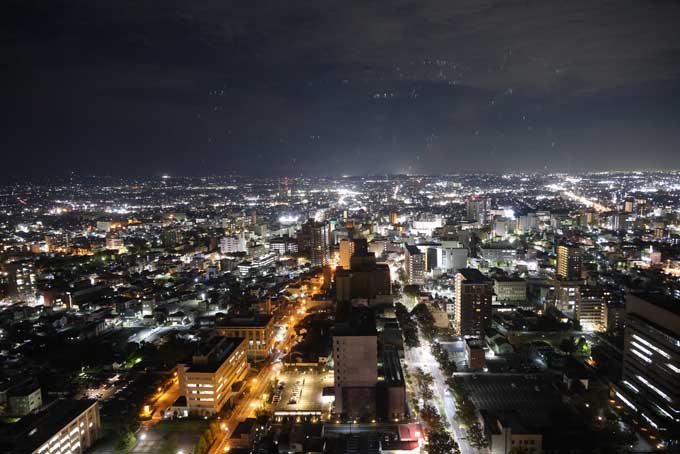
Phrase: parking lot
{"type": "Point", "coordinates": [299, 392]}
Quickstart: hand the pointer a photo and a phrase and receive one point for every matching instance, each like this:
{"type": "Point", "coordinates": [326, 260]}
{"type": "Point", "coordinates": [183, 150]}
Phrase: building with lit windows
{"type": "Point", "coordinates": [474, 295]}
{"type": "Point", "coordinates": [207, 382]}
{"type": "Point", "coordinates": [64, 427]}
{"type": "Point", "coordinates": [414, 264]}
{"type": "Point", "coordinates": [569, 262]}
{"type": "Point", "coordinates": [510, 289]}
{"type": "Point", "coordinates": [22, 280]}
{"type": "Point", "coordinates": [257, 330]}
{"type": "Point", "coordinates": [591, 308]}
{"type": "Point", "coordinates": [650, 384]}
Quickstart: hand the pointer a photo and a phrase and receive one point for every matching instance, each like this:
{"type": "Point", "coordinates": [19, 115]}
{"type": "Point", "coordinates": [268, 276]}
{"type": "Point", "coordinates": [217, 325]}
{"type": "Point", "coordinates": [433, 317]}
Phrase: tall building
{"type": "Point", "coordinates": [474, 296]}
{"type": "Point", "coordinates": [414, 264]}
{"type": "Point", "coordinates": [233, 243]}
{"type": "Point", "coordinates": [349, 247]}
{"type": "Point", "coordinates": [315, 238]}
{"type": "Point", "coordinates": [569, 261]}
{"type": "Point", "coordinates": [476, 209]}
{"type": "Point", "coordinates": [364, 279]}
{"type": "Point", "coordinates": [394, 218]}
{"type": "Point", "coordinates": [22, 280]}
{"type": "Point", "coordinates": [651, 360]}
{"type": "Point", "coordinates": [591, 308]}
{"type": "Point", "coordinates": [355, 356]}
{"type": "Point", "coordinates": [171, 237]}
{"type": "Point", "coordinates": [206, 383]}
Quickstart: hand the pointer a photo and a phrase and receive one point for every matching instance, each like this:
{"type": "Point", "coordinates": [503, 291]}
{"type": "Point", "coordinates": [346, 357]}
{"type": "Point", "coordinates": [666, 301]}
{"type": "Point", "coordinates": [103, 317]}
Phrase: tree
{"type": "Point", "coordinates": [126, 441]}
{"type": "Point", "coordinates": [442, 443]}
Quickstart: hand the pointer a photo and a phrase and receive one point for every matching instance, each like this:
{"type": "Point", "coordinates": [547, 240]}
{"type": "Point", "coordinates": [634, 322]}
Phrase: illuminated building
{"type": "Point", "coordinates": [414, 264]}
{"type": "Point", "coordinates": [64, 427]}
{"type": "Point", "coordinates": [348, 248]}
{"type": "Point", "coordinates": [394, 218]}
{"type": "Point", "coordinates": [315, 238]}
{"type": "Point", "coordinates": [22, 280]}
{"type": "Point", "coordinates": [569, 262]}
{"type": "Point", "coordinates": [207, 382]}
{"type": "Point", "coordinates": [510, 289]}
{"type": "Point", "coordinates": [476, 209]}
{"type": "Point", "coordinates": [257, 330]}
{"type": "Point", "coordinates": [24, 398]}
{"type": "Point", "coordinates": [233, 243]}
{"type": "Point", "coordinates": [474, 295]}
{"type": "Point", "coordinates": [651, 359]}
{"type": "Point", "coordinates": [591, 308]}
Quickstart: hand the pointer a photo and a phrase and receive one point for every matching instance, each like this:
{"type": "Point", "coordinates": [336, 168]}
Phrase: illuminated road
{"type": "Point", "coordinates": [421, 357]}
{"type": "Point", "coordinates": [584, 201]}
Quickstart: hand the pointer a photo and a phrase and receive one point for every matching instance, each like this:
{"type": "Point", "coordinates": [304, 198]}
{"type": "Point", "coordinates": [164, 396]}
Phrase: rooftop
{"type": "Point", "coordinates": [473, 276]}
{"type": "Point", "coordinates": [32, 431]}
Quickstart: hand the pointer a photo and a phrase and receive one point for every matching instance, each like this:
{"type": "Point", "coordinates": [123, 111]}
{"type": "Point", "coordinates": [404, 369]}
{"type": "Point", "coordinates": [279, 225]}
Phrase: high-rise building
{"type": "Point", "coordinates": [315, 238]}
{"type": "Point", "coordinates": [591, 308]}
{"type": "Point", "coordinates": [476, 209]}
{"type": "Point", "coordinates": [394, 218]}
{"type": "Point", "coordinates": [414, 264]}
{"type": "Point", "coordinates": [651, 360]}
{"type": "Point", "coordinates": [22, 280]}
{"type": "Point", "coordinates": [233, 243]}
{"type": "Point", "coordinates": [171, 237]}
{"type": "Point", "coordinates": [364, 279]}
{"type": "Point", "coordinates": [349, 247]}
{"type": "Point", "coordinates": [474, 296]}
{"type": "Point", "coordinates": [355, 356]}
{"type": "Point", "coordinates": [207, 382]}
{"type": "Point", "coordinates": [569, 261]}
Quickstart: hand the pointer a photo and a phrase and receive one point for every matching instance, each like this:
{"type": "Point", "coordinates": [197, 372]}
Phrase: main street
{"type": "Point", "coordinates": [421, 357]}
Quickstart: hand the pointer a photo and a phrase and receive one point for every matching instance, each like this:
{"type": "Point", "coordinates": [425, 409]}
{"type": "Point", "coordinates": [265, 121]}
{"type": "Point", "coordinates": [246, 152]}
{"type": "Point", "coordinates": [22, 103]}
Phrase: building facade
{"type": "Point", "coordinates": [207, 382]}
{"type": "Point", "coordinates": [474, 297]}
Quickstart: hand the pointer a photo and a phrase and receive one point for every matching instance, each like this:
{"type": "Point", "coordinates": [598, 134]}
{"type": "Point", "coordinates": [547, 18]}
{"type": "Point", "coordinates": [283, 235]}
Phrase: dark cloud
{"type": "Point", "coordinates": [322, 86]}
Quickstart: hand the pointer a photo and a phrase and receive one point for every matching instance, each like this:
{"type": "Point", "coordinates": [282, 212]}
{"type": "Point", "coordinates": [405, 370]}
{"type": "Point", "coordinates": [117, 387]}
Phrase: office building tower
{"type": "Point", "coordinates": [349, 247]}
{"type": "Point", "coordinates": [569, 262]}
{"type": "Point", "coordinates": [414, 264]}
{"type": "Point", "coordinates": [206, 383]}
{"type": "Point", "coordinates": [591, 308]}
{"type": "Point", "coordinates": [394, 218]}
{"type": "Point", "coordinates": [22, 280]}
{"type": "Point", "coordinates": [315, 238]}
{"type": "Point", "coordinates": [651, 360]}
{"type": "Point", "coordinates": [355, 356]}
{"type": "Point", "coordinates": [476, 209]}
{"type": "Point", "coordinates": [171, 237]}
{"type": "Point", "coordinates": [233, 243]}
{"type": "Point", "coordinates": [365, 279]}
{"type": "Point", "coordinates": [474, 296]}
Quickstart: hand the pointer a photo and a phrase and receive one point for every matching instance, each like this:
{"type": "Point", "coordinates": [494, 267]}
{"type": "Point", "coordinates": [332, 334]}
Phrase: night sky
{"type": "Point", "coordinates": [318, 87]}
